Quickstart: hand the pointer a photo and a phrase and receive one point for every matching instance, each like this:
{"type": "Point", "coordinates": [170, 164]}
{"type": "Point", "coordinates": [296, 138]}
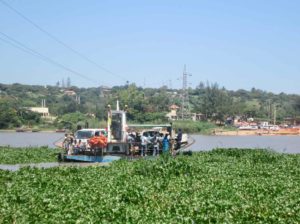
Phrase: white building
{"type": "Point", "coordinates": [41, 110]}
{"type": "Point", "coordinates": [172, 115]}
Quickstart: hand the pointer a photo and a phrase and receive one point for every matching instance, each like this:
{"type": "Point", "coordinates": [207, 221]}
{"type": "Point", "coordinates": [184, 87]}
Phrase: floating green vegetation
{"type": "Point", "coordinates": [221, 186]}
{"type": "Point", "coordinates": [27, 155]}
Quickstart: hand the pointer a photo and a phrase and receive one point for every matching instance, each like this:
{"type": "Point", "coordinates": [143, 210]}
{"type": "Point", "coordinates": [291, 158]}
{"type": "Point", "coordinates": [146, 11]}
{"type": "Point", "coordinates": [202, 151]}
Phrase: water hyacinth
{"type": "Point", "coordinates": [10, 155]}
{"type": "Point", "coordinates": [223, 186]}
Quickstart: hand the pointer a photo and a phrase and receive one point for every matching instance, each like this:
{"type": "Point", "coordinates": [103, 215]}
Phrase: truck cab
{"type": "Point", "coordinates": [84, 134]}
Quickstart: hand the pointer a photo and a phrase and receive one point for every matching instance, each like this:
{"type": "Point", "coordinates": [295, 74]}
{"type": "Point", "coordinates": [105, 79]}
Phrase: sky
{"type": "Point", "coordinates": [237, 44]}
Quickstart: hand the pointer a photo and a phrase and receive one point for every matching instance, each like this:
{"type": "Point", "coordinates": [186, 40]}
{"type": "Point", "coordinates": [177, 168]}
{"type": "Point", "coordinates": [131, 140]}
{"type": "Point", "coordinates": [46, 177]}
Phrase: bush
{"type": "Point", "coordinates": [188, 126]}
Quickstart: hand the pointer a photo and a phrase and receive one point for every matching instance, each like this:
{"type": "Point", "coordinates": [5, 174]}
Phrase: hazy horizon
{"type": "Point", "coordinates": [139, 86]}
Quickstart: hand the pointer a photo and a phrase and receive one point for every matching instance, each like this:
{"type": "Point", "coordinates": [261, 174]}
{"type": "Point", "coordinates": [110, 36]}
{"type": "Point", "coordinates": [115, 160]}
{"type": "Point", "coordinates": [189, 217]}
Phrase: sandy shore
{"type": "Point", "coordinates": [289, 131]}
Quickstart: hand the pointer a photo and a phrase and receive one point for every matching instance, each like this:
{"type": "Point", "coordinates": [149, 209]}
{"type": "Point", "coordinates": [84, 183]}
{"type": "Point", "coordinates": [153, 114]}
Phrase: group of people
{"type": "Point", "coordinates": [156, 142]}
{"type": "Point", "coordinates": [70, 144]}
{"type": "Point", "coordinates": [73, 146]}
{"type": "Point", "coordinates": [137, 142]}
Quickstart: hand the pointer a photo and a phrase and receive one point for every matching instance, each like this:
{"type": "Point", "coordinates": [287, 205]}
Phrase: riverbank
{"type": "Point", "coordinates": [259, 132]}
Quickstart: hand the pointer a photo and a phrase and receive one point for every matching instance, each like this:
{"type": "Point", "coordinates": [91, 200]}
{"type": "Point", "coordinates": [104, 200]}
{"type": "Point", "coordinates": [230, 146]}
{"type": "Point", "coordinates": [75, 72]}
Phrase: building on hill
{"type": "Point", "coordinates": [172, 115]}
{"type": "Point", "coordinates": [104, 91]}
{"type": "Point", "coordinates": [197, 116]}
{"type": "Point", "coordinates": [292, 121]}
{"type": "Point", "coordinates": [44, 111]}
{"type": "Point", "coordinates": [70, 92]}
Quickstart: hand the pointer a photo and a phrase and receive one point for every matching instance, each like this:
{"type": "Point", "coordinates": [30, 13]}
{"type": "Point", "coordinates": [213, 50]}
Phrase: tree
{"type": "Point", "coordinates": [70, 120]}
{"type": "Point", "coordinates": [297, 104]}
{"type": "Point", "coordinates": [214, 102]}
{"type": "Point", "coordinates": [28, 117]}
{"type": "Point", "coordinates": [8, 114]}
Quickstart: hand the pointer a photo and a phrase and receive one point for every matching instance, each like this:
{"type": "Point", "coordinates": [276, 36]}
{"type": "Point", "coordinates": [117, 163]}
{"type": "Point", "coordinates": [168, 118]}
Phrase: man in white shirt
{"type": "Point", "coordinates": [144, 143]}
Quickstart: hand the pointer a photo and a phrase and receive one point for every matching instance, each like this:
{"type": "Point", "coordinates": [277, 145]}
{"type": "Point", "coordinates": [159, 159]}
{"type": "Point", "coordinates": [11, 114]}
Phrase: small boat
{"type": "Point", "coordinates": [22, 129]}
{"type": "Point", "coordinates": [248, 127]}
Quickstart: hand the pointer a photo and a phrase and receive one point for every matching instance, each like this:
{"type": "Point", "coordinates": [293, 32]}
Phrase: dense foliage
{"type": "Point", "coordinates": [218, 103]}
{"type": "Point", "coordinates": [194, 127]}
{"type": "Point", "coordinates": [8, 114]}
{"type": "Point", "coordinates": [223, 186]}
{"type": "Point", "coordinates": [27, 155]}
{"type": "Point", "coordinates": [144, 104]}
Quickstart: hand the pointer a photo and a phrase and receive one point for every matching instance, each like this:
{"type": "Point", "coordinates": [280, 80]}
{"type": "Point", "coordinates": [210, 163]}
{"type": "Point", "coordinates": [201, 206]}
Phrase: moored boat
{"type": "Point", "coordinates": [22, 129]}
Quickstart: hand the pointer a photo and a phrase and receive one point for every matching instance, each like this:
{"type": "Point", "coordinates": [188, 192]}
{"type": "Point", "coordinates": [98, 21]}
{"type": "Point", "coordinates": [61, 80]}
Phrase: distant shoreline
{"type": "Point", "coordinates": [216, 133]}
{"type": "Point", "coordinates": [258, 133]}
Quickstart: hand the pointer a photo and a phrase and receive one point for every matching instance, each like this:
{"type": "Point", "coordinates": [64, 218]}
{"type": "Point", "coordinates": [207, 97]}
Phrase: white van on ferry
{"type": "Point", "coordinates": [83, 135]}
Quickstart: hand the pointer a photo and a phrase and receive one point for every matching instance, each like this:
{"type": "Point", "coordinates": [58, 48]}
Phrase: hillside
{"type": "Point", "coordinates": [145, 105]}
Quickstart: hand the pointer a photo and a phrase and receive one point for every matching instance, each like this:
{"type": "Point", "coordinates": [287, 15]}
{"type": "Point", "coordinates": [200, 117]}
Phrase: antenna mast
{"type": "Point", "coordinates": [185, 106]}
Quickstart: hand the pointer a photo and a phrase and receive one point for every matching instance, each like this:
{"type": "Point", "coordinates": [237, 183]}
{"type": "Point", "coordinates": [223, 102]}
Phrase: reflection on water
{"type": "Point", "coordinates": [286, 144]}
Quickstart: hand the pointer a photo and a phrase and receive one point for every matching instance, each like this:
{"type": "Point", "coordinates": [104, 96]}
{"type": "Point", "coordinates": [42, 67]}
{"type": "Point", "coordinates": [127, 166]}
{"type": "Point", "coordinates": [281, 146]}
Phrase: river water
{"type": "Point", "coordinates": [27, 139]}
{"type": "Point", "coordinates": [287, 144]}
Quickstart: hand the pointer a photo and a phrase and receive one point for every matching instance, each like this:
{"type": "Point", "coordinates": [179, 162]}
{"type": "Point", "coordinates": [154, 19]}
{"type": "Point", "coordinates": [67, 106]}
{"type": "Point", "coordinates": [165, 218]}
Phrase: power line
{"type": "Point", "coordinates": [28, 50]}
{"type": "Point", "coordinates": [59, 41]}
{"type": "Point", "coordinates": [16, 46]}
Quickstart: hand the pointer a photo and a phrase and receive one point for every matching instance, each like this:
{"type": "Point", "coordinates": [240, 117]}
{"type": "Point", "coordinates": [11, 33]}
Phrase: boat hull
{"type": "Point", "coordinates": [94, 159]}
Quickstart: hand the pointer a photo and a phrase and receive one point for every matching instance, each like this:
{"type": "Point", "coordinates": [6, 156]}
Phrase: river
{"type": "Point", "coordinates": [27, 139]}
{"type": "Point", "coordinates": [287, 144]}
